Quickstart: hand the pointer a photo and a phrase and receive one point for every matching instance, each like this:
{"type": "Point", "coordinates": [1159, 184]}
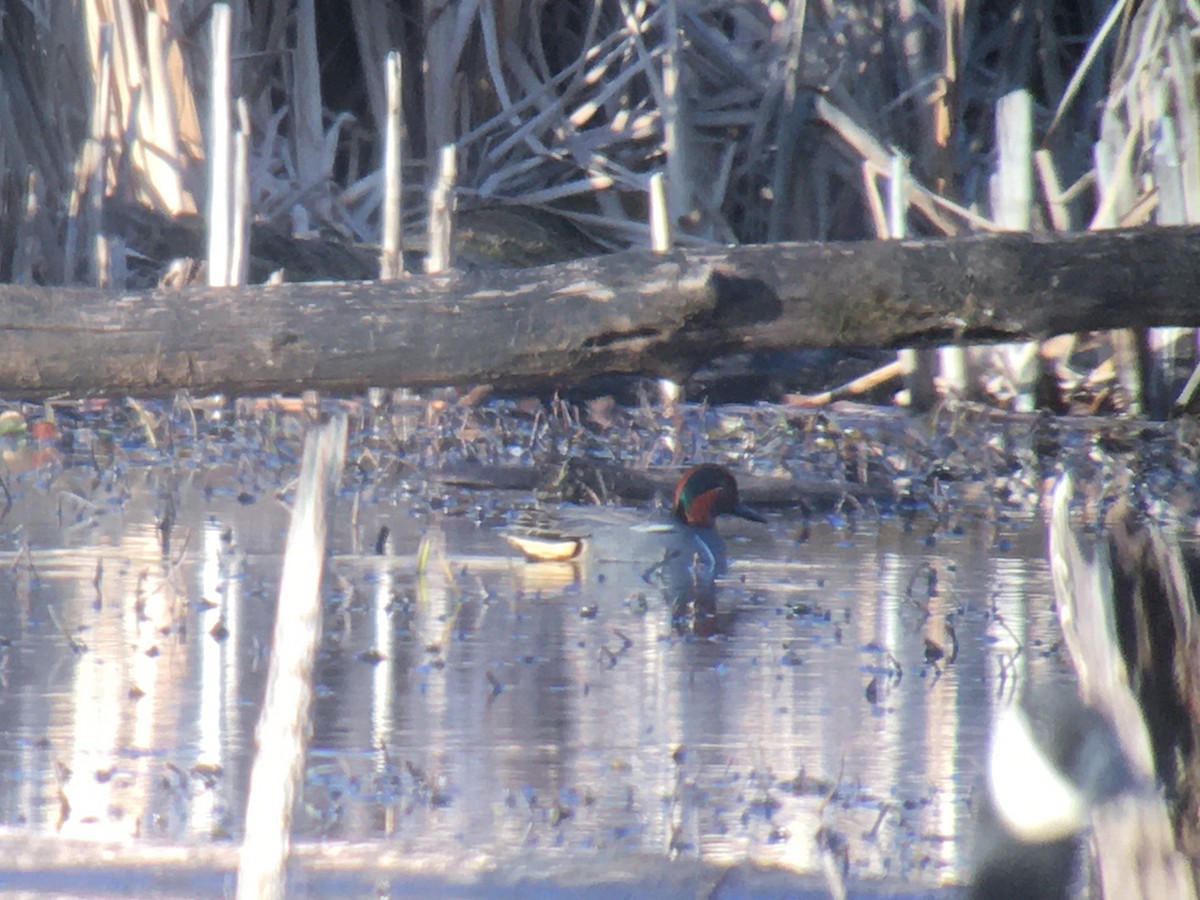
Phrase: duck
{"type": "Point", "coordinates": [608, 534]}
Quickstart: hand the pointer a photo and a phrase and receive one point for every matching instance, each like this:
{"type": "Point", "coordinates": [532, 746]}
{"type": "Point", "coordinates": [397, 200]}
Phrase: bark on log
{"type": "Point", "coordinates": [626, 313]}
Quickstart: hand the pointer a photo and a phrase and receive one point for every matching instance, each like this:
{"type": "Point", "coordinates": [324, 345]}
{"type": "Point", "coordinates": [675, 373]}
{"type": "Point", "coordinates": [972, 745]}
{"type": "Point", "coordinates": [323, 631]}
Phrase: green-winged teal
{"type": "Point", "coordinates": [690, 535]}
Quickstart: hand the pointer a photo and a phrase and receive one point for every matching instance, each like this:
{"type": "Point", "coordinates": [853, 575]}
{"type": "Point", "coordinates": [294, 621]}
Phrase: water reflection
{"type": "Point", "coordinates": [489, 706]}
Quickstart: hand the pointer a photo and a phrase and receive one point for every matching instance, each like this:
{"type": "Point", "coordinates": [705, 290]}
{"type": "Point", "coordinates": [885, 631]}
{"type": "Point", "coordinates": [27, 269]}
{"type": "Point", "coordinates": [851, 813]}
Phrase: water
{"type": "Point", "coordinates": [489, 715]}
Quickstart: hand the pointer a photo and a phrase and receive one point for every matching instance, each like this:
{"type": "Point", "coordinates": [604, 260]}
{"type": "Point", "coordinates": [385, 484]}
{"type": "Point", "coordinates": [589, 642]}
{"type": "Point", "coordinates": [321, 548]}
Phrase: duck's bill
{"type": "Point", "coordinates": [745, 512]}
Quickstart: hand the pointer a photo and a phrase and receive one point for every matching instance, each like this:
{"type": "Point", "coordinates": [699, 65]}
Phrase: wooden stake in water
{"type": "Point", "coordinates": [441, 212]}
{"type": "Point", "coordinates": [219, 143]}
{"type": "Point", "coordinates": [283, 726]}
{"type": "Point", "coordinates": [391, 263]}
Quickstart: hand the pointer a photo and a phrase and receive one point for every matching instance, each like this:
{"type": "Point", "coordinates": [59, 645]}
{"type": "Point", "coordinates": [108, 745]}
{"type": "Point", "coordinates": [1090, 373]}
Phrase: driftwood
{"type": "Point", "coordinates": [631, 312]}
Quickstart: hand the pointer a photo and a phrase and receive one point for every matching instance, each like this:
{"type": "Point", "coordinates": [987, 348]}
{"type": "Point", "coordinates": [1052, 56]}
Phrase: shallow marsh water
{"type": "Point", "coordinates": [475, 713]}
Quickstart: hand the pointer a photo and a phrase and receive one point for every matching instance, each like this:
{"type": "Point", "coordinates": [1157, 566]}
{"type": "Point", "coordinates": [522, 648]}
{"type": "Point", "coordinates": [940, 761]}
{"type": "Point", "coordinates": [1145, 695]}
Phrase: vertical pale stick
{"type": "Point", "coordinates": [163, 159]}
{"type": "Point", "coordinates": [791, 122]}
{"type": "Point", "coordinates": [441, 212]}
{"type": "Point", "coordinates": [660, 224]}
{"type": "Point", "coordinates": [282, 733]}
{"type": "Point", "coordinates": [1012, 208]}
{"type": "Point", "coordinates": [305, 101]}
{"type": "Point", "coordinates": [219, 191]}
{"type": "Point", "coordinates": [674, 132]}
{"type": "Point", "coordinates": [898, 197]}
{"type": "Point", "coordinates": [391, 263]}
{"type": "Point", "coordinates": [99, 161]}
{"type": "Point", "coordinates": [27, 247]}
{"type": "Point", "coordinates": [918, 365]}
{"type": "Point", "coordinates": [90, 157]}
{"type": "Point", "coordinates": [1171, 350]}
{"type": "Point", "coordinates": [239, 253]}
{"type": "Point", "coordinates": [669, 391]}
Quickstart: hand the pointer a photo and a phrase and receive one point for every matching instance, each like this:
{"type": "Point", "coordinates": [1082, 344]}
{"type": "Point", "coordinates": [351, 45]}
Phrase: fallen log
{"type": "Point", "coordinates": [630, 312]}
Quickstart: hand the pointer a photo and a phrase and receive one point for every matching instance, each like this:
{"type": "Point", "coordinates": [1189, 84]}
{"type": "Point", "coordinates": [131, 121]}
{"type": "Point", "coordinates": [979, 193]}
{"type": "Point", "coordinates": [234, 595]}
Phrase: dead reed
{"type": "Point", "coordinates": [772, 120]}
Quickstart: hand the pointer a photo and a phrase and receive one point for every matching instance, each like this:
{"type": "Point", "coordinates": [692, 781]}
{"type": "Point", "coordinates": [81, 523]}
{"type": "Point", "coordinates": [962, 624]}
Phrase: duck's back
{"type": "Point", "coordinates": [661, 547]}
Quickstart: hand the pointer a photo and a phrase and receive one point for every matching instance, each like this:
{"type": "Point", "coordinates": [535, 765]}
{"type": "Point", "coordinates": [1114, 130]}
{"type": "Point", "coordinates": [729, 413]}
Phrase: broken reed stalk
{"type": "Point", "coordinates": [441, 212]}
{"type": "Point", "coordinates": [1171, 349]}
{"type": "Point", "coordinates": [26, 243]}
{"type": "Point", "coordinates": [374, 40]}
{"type": "Point", "coordinates": [239, 255]}
{"type": "Point", "coordinates": [866, 145]}
{"type": "Point", "coordinates": [219, 188]}
{"type": "Point", "coordinates": [1012, 182]}
{"type": "Point", "coordinates": [278, 773]}
{"type": "Point", "coordinates": [163, 158]}
{"type": "Point", "coordinates": [1188, 393]}
{"type": "Point", "coordinates": [1012, 209]}
{"type": "Point", "coordinates": [1167, 165]}
{"type": "Point", "coordinates": [1115, 167]}
{"type": "Point", "coordinates": [679, 199]}
{"type": "Point", "coordinates": [83, 223]}
{"type": "Point", "coordinates": [898, 186]}
{"type": "Point", "coordinates": [660, 223]}
{"type": "Point", "coordinates": [853, 388]}
{"type": "Point", "coordinates": [306, 98]}
{"type": "Point", "coordinates": [1115, 15]}
{"type": "Point", "coordinates": [441, 65]}
{"type": "Point", "coordinates": [492, 58]}
{"type": "Point", "coordinates": [914, 40]}
{"type": "Point", "coordinates": [1114, 155]}
{"type": "Point", "coordinates": [132, 103]}
{"type": "Point", "coordinates": [669, 391]}
{"type": "Point", "coordinates": [945, 110]}
{"type": "Point", "coordinates": [919, 366]}
{"type": "Point", "coordinates": [874, 200]}
{"type": "Point", "coordinates": [790, 125]}
{"type": "Point", "coordinates": [1056, 205]}
{"type": "Point", "coordinates": [96, 157]}
{"type": "Point", "coordinates": [391, 262]}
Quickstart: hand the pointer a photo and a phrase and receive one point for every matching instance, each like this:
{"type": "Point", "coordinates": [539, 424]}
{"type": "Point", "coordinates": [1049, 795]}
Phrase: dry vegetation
{"type": "Point", "coordinates": [773, 121]}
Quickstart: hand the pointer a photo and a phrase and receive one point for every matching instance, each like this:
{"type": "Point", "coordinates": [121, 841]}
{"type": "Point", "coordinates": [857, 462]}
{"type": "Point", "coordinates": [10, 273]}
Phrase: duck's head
{"type": "Point", "coordinates": [705, 492]}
